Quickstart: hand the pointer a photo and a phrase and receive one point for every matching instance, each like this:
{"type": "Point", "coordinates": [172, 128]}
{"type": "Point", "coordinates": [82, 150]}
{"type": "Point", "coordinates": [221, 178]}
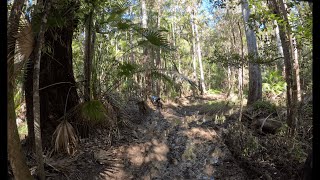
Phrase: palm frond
{"type": "Point", "coordinates": [24, 42]}
{"type": "Point", "coordinates": [25, 39]}
{"type": "Point", "coordinates": [156, 38]}
{"type": "Point", "coordinates": [117, 10]}
{"type": "Point", "coordinates": [65, 138]}
{"type": "Point", "coordinates": [119, 7]}
{"type": "Point", "coordinates": [124, 25]}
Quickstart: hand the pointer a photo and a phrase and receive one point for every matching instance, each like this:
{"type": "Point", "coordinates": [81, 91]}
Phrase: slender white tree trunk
{"type": "Point", "coordinates": [255, 79]}
{"type": "Point", "coordinates": [144, 17]}
{"type": "Point", "coordinates": [147, 78]}
{"type": "Point", "coordinates": [240, 70]}
{"type": "Point", "coordinates": [194, 61]}
{"type": "Point", "coordinates": [203, 87]}
{"type": "Point", "coordinates": [131, 38]}
{"type": "Point", "coordinates": [36, 95]}
{"type": "Point", "coordinates": [296, 68]}
{"type": "Point", "coordinates": [280, 63]}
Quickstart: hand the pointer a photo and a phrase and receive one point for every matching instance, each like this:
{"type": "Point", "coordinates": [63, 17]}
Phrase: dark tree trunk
{"type": "Point", "coordinates": [291, 96]}
{"type": "Point", "coordinates": [28, 85]}
{"type": "Point", "coordinates": [88, 56]}
{"type": "Point", "coordinates": [56, 70]}
{"type": "Point", "coordinates": [307, 169]}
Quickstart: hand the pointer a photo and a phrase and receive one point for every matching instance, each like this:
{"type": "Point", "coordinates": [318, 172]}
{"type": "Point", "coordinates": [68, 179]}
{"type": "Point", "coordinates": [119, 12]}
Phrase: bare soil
{"type": "Point", "coordinates": [184, 140]}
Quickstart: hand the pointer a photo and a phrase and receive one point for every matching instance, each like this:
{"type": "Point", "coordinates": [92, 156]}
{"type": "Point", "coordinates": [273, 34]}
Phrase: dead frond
{"type": "Point", "coordinates": [65, 138]}
{"type": "Point", "coordinates": [25, 41]}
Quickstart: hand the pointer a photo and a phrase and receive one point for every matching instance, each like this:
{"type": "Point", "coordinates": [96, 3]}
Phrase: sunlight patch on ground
{"type": "Point", "coordinates": [197, 132]}
{"type": "Point", "coordinates": [146, 152]}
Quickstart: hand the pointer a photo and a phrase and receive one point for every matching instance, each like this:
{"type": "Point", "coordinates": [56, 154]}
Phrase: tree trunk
{"type": "Point", "coordinates": [36, 95]}
{"type": "Point", "coordinates": [241, 73]}
{"type": "Point", "coordinates": [58, 91]}
{"type": "Point", "coordinates": [95, 68]}
{"type": "Point", "coordinates": [255, 79]}
{"type": "Point", "coordinates": [293, 121]}
{"type": "Point", "coordinates": [233, 45]}
{"type": "Point", "coordinates": [15, 154]}
{"type": "Point", "coordinates": [308, 166]}
{"type": "Point", "coordinates": [144, 19]}
{"type": "Point", "coordinates": [87, 56]}
{"type": "Point", "coordinates": [203, 86]}
{"type": "Point", "coordinates": [94, 82]}
{"type": "Point", "coordinates": [294, 55]}
{"type": "Point", "coordinates": [291, 104]}
{"type": "Point", "coordinates": [229, 78]}
{"type": "Point", "coordinates": [158, 53]}
{"type": "Point", "coordinates": [296, 68]}
{"type": "Point", "coordinates": [193, 39]}
{"type": "Point", "coordinates": [280, 64]}
{"type": "Point", "coordinates": [131, 38]}
{"type": "Point", "coordinates": [28, 88]}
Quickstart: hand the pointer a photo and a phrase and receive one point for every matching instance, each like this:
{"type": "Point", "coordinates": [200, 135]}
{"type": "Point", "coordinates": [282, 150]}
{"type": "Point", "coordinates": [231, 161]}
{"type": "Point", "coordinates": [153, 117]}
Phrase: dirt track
{"type": "Point", "coordinates": [176, 143]}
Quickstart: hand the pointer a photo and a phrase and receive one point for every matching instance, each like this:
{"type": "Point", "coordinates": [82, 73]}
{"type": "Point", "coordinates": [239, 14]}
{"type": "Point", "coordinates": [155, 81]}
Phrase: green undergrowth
{"type": "Point", "coordinates": [264, 105]}
{"type": "Point", "coordinates": [280, 155]}
{"type": "Point", "coordinates": [94, 111]}
{"type": "Point", "coordinates": [23, 130]}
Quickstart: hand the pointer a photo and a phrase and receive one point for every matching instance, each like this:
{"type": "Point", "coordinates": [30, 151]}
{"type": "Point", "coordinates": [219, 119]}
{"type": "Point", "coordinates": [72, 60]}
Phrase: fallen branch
{"type": "Point", "coordinates": [260, 129]}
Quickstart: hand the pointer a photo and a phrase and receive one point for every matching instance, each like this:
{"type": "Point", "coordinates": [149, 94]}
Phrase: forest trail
{"type": "Point", "coordinates": [180, 142]}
